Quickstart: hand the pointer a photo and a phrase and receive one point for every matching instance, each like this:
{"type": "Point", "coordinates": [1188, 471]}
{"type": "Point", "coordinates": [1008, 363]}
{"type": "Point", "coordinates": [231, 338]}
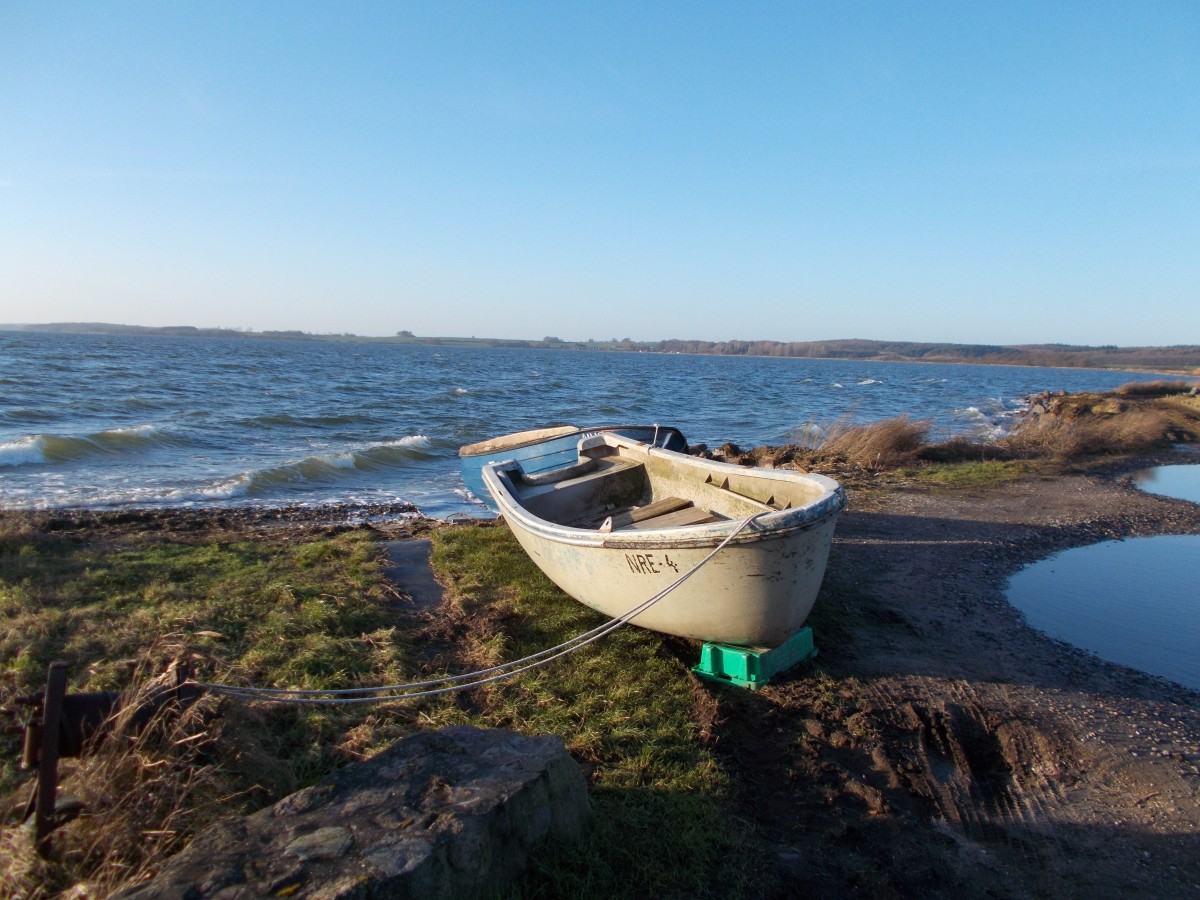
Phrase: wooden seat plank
{"type": "Point", "coordinates": [626, 515]}
{"type": "Point", "coordinates": [649, 511]}
{"type": "Point", "coordinates": [691, 515]}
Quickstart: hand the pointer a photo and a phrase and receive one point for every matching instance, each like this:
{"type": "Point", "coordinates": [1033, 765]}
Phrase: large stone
{"type": "Point", "coordinates": [453, 813]}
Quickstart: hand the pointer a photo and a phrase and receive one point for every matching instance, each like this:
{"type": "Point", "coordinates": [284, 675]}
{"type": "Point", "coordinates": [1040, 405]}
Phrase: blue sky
{"type": "Point", "coordinates": [998, 173]}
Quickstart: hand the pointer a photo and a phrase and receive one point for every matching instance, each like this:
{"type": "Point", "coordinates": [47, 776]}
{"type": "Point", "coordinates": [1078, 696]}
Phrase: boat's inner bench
{"type": "Point", "coordinates": [611, 493]}
{"type": "Point", "coordinates": [592, 487]}
{"type": "Point", "coordinates": [614, 488]}
{"type": "Point", "coordinates": [669, 512]}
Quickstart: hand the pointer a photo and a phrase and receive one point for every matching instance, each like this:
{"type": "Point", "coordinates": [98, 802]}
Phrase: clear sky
{"type": "Point", "coordinates": [970, 172]}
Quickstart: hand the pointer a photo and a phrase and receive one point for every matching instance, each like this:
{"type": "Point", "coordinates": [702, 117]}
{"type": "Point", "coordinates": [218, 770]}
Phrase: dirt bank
{"type": "Point", "coordinates": [943, 748]}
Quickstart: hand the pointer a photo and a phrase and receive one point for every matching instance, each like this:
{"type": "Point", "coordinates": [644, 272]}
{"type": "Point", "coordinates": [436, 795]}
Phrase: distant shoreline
{"type": "Point", "coordinates": [1174, 360]}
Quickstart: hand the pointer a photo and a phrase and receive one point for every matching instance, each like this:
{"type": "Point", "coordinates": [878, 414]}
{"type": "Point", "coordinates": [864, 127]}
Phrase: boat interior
{"type": "Point", "coordinates": [621, 487]}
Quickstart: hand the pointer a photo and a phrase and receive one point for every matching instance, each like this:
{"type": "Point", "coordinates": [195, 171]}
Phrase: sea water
{"type": "Point", "coordinates": [111, 421]}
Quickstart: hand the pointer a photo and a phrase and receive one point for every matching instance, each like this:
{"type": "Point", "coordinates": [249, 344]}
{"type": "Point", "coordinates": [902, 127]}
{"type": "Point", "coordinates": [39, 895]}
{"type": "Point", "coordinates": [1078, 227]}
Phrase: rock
{"type": "Point", "coordinates": [453, 813]}
{"type": "Point", "coordinates": [728, 451]}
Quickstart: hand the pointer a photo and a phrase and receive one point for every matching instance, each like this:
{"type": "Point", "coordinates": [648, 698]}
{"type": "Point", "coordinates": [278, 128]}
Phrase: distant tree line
{"type": "Point", "coordinates": [1055, 355]}
{"type": "Point", "coordinates": [1177, 357]}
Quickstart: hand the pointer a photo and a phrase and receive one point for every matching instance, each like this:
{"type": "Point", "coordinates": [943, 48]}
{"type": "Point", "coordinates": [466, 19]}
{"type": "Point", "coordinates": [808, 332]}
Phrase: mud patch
{"type": "Point", "coordinates": [942, 748]}
{"type": "Point", "coordinates": [408, 568]}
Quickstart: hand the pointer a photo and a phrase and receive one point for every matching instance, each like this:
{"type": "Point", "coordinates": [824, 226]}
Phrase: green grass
{"type": "Point", "coordinates": [310, 614]}
{"type": "Point", "coordinates": [988, 473]}
{"type": "Point", "coordinates": [662, 807]}
{"type": "Point", "coordinates": [317, 612]}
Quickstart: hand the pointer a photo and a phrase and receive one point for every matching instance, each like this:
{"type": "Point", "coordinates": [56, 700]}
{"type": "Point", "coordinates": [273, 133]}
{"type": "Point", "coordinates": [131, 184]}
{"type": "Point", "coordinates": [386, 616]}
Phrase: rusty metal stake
{"type": "Point", "coordinates": [47, 779]}
{"type": "Point", "coordinates": [68, 725]}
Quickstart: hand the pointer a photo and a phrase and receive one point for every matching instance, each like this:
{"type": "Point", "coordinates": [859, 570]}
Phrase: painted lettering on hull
{"type": "Point", "coordinates": [649, 563]}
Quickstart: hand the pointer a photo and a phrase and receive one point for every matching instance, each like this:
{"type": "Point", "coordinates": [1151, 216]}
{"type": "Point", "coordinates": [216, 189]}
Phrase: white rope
{"type": "Point", "coordinates": [468, 680]}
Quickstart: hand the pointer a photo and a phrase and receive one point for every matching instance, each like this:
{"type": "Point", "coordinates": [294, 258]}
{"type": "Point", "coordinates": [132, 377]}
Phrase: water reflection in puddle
{"type": "Point", "coordinates": [1134, 602]}
{"type": "Point", "coordinates": [1181, 482]}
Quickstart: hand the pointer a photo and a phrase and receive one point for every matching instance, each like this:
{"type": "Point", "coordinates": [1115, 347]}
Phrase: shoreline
{"type": "Point", "coordinates": [396, 520]}
{"type": "Point", "coordinates": [937, 739]}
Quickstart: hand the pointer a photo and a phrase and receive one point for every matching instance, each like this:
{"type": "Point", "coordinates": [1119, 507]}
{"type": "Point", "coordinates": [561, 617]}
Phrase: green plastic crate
{"type": "Point", "coordinates": [752, 667]}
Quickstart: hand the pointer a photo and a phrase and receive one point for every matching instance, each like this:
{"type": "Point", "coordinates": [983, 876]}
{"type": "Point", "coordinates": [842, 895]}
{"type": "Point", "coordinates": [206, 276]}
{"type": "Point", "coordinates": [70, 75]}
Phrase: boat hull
{"type": "Point", "coordinates": [755, 594]}
{"type": "Point", "coordinates": [756, 591]}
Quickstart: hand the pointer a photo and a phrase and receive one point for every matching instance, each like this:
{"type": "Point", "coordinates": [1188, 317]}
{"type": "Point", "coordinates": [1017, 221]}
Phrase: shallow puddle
{"type": "Point", "coordinates": [1181, 482]}
{"type": "Point", "coordinates": [1135, 602]}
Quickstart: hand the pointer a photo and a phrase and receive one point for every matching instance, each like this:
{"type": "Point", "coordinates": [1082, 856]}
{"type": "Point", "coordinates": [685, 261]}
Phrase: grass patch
{"type": "Point", "coordinates": [316, 611]}
{"type": "Point", "coordinates": [984, 474]}
{"type": "Point", "coordinates": [661, 799]}
{"type": "Point", "coordinates": [278, 612]}
{"type": "Point", "coordinates": [311, 612]}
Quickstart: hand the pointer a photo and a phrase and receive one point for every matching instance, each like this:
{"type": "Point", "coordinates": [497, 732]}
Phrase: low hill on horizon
{"type": "Point", "coordinates": [1181, 357]}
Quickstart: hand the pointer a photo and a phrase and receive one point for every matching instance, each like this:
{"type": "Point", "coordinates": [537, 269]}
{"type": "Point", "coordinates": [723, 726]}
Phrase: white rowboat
{"type": "Point", "coordinates": [627, 520]}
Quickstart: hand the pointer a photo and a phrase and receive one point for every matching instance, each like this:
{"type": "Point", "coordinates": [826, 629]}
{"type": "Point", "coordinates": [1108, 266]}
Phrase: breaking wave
{"type": "Point", "coordinates": [980, 424]}
{"type": "Point", "coordinates": [318, 469]}
{"type": "Point", "coordinates": [809, 435]}
{"type": "Point", "coordinates": [19, 453]}
{"type": "Point", "coordinates": [55, 448]}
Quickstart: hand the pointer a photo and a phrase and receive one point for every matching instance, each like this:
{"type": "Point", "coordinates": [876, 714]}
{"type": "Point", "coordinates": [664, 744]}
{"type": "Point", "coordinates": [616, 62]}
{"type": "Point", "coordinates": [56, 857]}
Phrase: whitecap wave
{"type": "Point", "coordinates": [22, 452]}
{"type": "Point", "coordinates": [225, 489]}
{"type": "Point", "coordinates": [392, 453]}
{"type": "Point", "coordinates": [412, 441]}
{"type": "Point", "coordinates": [342, 460]}
{"type": "Point", "coordinates": [56, 448]}
{"type": "Point", "coordinates": [809, 435]}
{"type": "Point", "coordinates": [979, 423]}
{"type": "Point", "coordinates": [317, 469]}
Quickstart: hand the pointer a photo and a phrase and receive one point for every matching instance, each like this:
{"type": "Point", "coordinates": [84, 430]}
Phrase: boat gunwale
{"type": "Point", "coordinates": [772, 524]}
{"type": "Point", "coordinates": [518, 440]}
{"type": "Point", "coordinates": [534, 436]}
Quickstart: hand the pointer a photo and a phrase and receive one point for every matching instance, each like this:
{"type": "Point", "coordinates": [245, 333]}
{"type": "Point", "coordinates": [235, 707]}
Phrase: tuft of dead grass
{"type": "Point", "coordinates": [877, 445]}
{"type": "Point", "coordinates": [24, 873]}
{"type": "Point", "coordinates": [1062, 438]}
{"type": "Point", "coordinates": [1061, 429]}
{"type": "Point", "coordinates": [1160, 388]}
{"type": "Point", "coordinates": [144, 785]}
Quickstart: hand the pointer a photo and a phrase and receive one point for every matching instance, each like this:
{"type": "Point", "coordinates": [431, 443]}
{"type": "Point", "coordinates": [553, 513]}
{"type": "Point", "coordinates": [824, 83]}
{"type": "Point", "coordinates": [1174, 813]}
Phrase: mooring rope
{"type": "Point", "coordinates": [383, 694]}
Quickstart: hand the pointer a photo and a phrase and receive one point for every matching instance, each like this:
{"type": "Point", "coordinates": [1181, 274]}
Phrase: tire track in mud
{"type": "Point", "coordinates": [990, 777]}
